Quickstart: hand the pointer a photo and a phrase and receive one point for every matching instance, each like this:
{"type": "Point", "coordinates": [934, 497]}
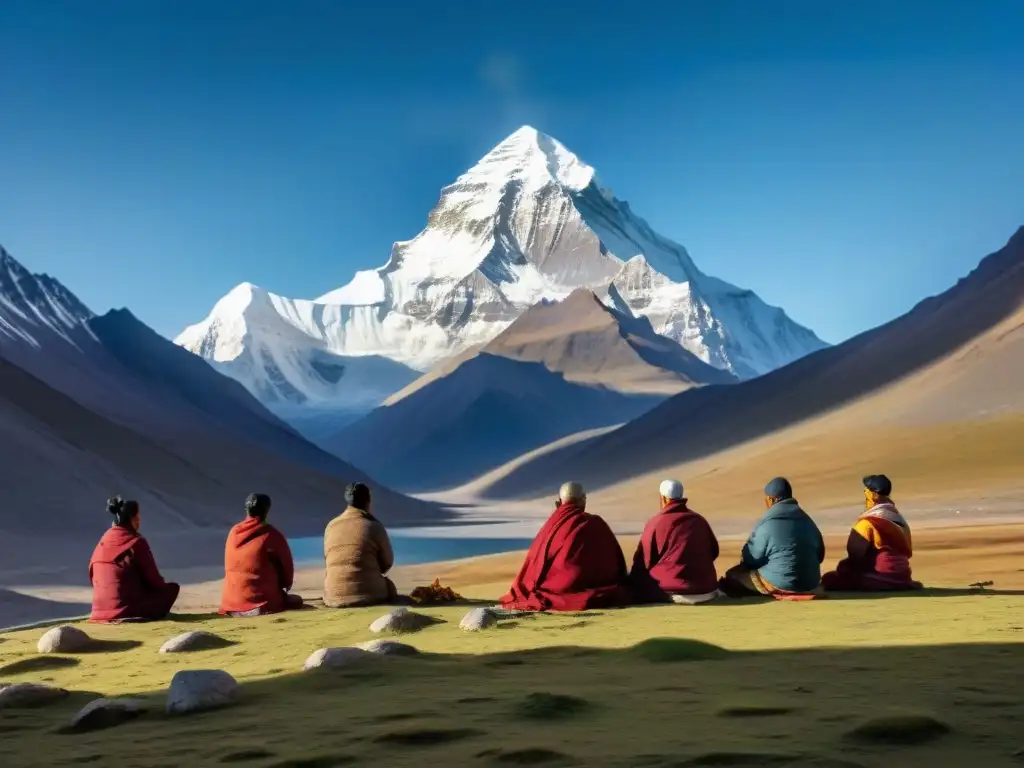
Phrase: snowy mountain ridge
{"type": "Point", "coordinates": [31, 304]}
{"type": "Point", "coordinates": [530, 222]}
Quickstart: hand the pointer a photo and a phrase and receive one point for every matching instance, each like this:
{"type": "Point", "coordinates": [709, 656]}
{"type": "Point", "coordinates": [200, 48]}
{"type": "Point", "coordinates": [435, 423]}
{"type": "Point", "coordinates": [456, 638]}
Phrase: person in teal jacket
{"type": "Point", "coordinates": [783, 556]}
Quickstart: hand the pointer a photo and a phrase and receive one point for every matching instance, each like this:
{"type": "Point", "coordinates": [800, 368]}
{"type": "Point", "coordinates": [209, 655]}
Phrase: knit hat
{"type": "Point", "coordinates": [779, 488]}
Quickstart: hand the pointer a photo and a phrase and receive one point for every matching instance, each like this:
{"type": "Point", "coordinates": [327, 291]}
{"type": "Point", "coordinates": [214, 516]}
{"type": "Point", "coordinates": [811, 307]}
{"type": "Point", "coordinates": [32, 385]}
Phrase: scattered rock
{"type": "Point", "coordinates": [335, 657]}
{"type": "Point", "coordinates": [63, 639]}
{"type": "Point", "coordinates": [194, 641]}
{"type": "Point", "coordinates": [26, 695]}
{"type": "Point", "coordinates": [402, 620]}
{"type": "Point", "coordinates": [105, 713]}
{"type": "Point", "coordinates": [387, 648]}
{"type": "Point", "coordinates": [478, 619]}
{"type": "Point", "coordinates": [899, 730]}
{"type": "Point", "coordinates": [196, 690]}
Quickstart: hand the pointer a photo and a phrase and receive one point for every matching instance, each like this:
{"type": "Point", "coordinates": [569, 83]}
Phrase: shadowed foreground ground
{"type": "Point", "coordinates": [733, 684]}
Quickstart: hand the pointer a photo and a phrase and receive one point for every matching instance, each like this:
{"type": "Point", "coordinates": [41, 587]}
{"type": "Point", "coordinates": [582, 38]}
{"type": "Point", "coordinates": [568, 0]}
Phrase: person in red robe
{"type": "Point", "coordinates": [879, 548]}
{"type": "Point", "coordinates": [258, 565]}
{"type": "Point", "coordinates": [574, 563]}
{"type": "Point", "coordinates": [675, 559]}
{"type": "Point", "coordinates": [126, 584]}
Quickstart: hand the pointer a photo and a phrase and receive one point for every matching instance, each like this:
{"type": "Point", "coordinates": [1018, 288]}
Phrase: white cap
{"type": "Point", "coordinates": [671, 489]}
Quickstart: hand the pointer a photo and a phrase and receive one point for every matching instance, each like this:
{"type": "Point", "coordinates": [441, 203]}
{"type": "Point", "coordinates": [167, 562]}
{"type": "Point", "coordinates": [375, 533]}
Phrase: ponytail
{"type": "Point", "coordinates": [123, 511]}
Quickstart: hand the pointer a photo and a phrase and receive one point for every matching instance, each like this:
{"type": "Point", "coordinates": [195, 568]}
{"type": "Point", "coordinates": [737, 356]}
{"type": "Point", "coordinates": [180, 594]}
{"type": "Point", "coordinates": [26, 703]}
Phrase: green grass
{"type": "Point", "coordinates": [832, 684]}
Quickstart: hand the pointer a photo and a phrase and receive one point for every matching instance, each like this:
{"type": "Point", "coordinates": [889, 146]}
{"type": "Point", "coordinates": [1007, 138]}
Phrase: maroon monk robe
{"type": "Point", "coordinates": [574, 563]}
{"type": "Point", "coordinates": [676, 555]}
{"type": "Point", "coordinates": [126, 584]}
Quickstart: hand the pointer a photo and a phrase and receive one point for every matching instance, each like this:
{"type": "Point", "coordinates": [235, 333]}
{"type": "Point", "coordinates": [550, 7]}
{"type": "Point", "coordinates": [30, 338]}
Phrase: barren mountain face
{"type": "Point", "coordinates": [951, 366]}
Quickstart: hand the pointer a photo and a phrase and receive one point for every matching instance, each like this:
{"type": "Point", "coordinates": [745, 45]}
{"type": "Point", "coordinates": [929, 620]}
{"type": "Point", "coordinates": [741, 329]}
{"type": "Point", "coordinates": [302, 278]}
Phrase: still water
{"type": "Point", "coordinates": [413, 549]}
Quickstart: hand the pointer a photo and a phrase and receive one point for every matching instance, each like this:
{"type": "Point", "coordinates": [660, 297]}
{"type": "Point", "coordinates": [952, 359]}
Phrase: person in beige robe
{"type": "Point", "coordinates": [358, 555]}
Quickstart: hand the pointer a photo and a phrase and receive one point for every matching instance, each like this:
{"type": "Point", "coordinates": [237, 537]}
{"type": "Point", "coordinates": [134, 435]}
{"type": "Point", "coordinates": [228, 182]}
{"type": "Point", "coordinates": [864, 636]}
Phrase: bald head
{"type": "Point", "coordinates": [572, 491]}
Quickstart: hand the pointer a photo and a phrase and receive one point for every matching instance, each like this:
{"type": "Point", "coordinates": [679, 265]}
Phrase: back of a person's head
{"type": "Point", "coordinates": [357, 495]}
{"type": "Point", "coordinates": [572, 492]}
{"type": "Point", "coordinates": [123, 510]}
{"type": "Point", "coordinates": [257, 505]}
{"type": "Point", "coordinates": [778, 489]}
{"type": "Point", "coordinates": [671, 490]}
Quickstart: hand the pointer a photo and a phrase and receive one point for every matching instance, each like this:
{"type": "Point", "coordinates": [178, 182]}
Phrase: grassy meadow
{"type": "Point", "coordinates": [931, 679]}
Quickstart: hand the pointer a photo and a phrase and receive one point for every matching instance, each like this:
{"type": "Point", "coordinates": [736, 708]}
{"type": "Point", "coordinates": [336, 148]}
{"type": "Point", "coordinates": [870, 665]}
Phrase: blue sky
{"type": "Point", "coordinates": [843, 159]}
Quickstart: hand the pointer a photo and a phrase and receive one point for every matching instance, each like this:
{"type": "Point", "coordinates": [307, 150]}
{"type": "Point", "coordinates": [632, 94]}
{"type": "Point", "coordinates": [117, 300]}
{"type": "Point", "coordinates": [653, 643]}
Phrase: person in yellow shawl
{"type": "Point", "coordinates": [879, 549]}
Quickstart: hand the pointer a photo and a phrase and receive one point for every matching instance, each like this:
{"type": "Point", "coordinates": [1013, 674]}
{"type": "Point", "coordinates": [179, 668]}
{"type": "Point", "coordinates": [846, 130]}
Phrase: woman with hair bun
{"type": "Point", "coordinates": [126, 584]}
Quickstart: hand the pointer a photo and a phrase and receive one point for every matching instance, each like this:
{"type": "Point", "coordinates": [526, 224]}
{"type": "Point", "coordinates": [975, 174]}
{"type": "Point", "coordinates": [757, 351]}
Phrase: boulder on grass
{"type": "Point", "coordinates": [26, 695]}
{"type": "Point", "coordinates": [401, 620]}
{"type": "Point", "coordinates": [105, 713]}
{"type": "Point", "coordinates": [326, 658]}
{"type": "Point", "coordinates": [196, 690]}
{"type": "Point", "coordinates": [194, 641]}
{"type": "Point", "coordinates": [387, 648]}
{"type": "Point", "coordinates": [63, 639]}
{"type": "Point", "coordinates": [478, 619]}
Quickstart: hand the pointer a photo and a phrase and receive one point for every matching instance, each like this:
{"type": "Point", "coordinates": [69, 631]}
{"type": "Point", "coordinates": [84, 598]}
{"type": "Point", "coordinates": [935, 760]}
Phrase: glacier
{"type": "Point", "coordinates": [530, 222]}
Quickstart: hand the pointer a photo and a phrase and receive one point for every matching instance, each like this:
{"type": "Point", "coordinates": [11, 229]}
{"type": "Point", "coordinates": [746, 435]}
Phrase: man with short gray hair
{"type": "Point", "coordinates": [675, 559]}
{"type": "Point", "coordinates": [574, 563]}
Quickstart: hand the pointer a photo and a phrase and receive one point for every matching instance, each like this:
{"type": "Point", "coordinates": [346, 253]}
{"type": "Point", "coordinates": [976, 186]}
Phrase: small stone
{"type": "Point", "coordinates": [25, 695]}
{"type": "Point", "coordinates": [401, 620]}
{"type": "Point", "coordinates": [193, 641]}
{"type": "Point", "coordinates": [105, 713]}
{"type": "Point", "coordinates": [387, 648]}
{"type": "Point", "coordinates": [196, 690]}
{"type": "Point", "coordinates": [63, 639]}
{"type": "Point", "coordinates": [478, 619]}
{"type": "Point", "coordinates": [335, 657]}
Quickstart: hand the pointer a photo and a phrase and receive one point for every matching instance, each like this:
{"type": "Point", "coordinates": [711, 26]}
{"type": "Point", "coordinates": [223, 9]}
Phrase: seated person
{"type": "Point", "coordinates": [258, 566]}
{"type": "Point", "coordinates": [126, 584]}
{"type": "Point", "coordinates": [879, 549]}
{"type": "Point", "coordinates": [358, 554]}
{"type": "Point", "coordinates": [573, 564]}
{"type": "Point", "coordinates": [675, 559]}
{"type": "Point", "coordinates": [782, 558]}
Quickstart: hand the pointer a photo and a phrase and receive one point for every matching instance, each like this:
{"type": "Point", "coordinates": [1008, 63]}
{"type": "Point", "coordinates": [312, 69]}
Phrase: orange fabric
{"type": "Point", "coordinates": [765, 587]}
{"type": "Point", "coordinates": [258, 569]}
{"type": "Point", "coordinates": [885, 534]}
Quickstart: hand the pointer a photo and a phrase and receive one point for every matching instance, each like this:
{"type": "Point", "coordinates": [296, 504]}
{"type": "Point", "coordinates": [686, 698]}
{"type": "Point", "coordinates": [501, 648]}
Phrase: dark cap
{"type": "Point", "coordinates": [880, 484]}
{"type": "Point", "coordinates": [779, 488]}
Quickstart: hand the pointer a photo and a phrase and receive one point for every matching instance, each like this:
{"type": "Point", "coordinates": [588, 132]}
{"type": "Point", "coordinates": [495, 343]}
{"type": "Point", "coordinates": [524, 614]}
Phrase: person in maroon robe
{"type": "Point", "coordinates": [126, 584]}
{"type": "Point", "coordinates": [574, 563]}
{"type": "Point", "coordinates": [675, 559]}
{"type": "Point", "coordinates": [258, 565]}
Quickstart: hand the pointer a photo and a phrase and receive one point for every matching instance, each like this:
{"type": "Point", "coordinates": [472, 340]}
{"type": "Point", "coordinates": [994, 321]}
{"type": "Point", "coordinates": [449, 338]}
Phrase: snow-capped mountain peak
{"type": "Point", "coordinates": [528, 223]}
{"type": "Point", "coordinates": [533, 158]}
{"type": "Point", "coordinates": [32, 303]}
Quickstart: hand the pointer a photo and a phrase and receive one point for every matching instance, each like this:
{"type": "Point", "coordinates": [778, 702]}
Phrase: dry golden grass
{"type": "Point", "coordinates": [928, 679]}
{"type": "Point", "coordinates": [825, 462]}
